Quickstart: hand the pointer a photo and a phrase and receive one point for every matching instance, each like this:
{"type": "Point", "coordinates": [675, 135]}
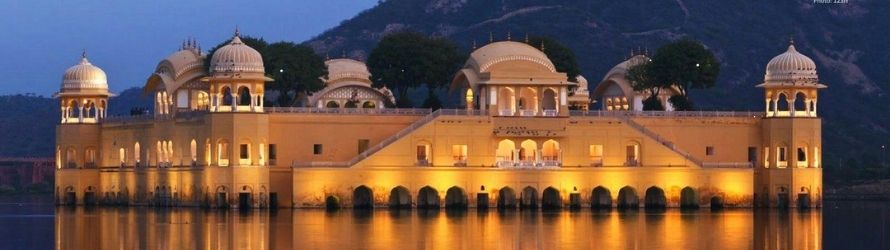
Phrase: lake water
{"type": "Point", "coordinates": [34, 223]}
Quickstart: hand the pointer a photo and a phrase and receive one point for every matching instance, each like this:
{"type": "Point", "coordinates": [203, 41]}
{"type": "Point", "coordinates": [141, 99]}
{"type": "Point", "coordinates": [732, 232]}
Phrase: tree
{"type": "Point", "coordinates": [640, 77]}
{"type": "Point", "coordinates": [684, 64]}
{"type": "Point", "coordinates": [406, 60]}
{"type": "Point", "coordinates": [562, 57]}
{"type": "Point", "coordinates": [296, 69]}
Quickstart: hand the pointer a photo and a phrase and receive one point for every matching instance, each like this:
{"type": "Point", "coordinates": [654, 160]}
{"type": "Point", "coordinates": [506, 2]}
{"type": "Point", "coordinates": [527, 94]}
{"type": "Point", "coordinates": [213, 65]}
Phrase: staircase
{"type": "Point", "coordinates": [670, 145]}
{"type": "Point", "coordinates": [402, 133]}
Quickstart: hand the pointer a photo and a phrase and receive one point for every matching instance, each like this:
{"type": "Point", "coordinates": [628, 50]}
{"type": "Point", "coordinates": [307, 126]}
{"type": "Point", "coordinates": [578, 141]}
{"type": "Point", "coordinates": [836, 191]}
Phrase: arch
{"type": "Point", "coordinates": [506, 198]}
{"type": "Point", "coordinates": [688, 198]}
{"type": "Point", "coordinates": [122, 155]}
{"type": "Point", "coordinates": [136, 153]}
{"type": "Point", "coordinates": [506, 101]}
{"type": "Point", "coordinates": [428, 197]}
{"type": "Point", "coordinates": [655, 198]}
{"type": "Point", "coordinates": [800, 102]}
{"type": "Point", "coordinates": [551, 199]}
{"type": "Point", "coordinates": [332, 104]}
{"type": "Point", "coordinates": [529, 198]}
{"type": "Point", "coordinates": [193, 150]}
{"type": "Point", "coordinates": [600, 198]}
{"type": "Point", "coordinates": [468, 98]}
{"type": "Point", "coordinates": [528, 100]}
{"type": "Point", "coordinates": [226, 92]}
{"type": "Point", "coordinates": [782, 102]}
{"type": "Point", "coordinates": [89, 109]}
{"type": "Point", "coordinates": [351, 104]}
{"type": "Point", "coordinates": [71, 157]}
{"type": "Point", "coordinates": [455, 198]}
{"type": "Point", "coordinates": [399, 197]}
{"type": "Point", "coordinates": [528, 151]}
{"type": "Point", "coordinates": [424, 150]}
{"type": "Point", "coordinates": [222, 152]}
{"type": "Point", "coordinates": [627, 198]}
{"type": "Point", "coordinates": [202, 101]}
{"type": "Point", "coordinates": [362, 197]}
{"type": "Point", "coordinates": [369, 105]}
{"type": "Point", "coordinates": [783, 198]}
{"type": "Point", "coordinates": [244, 97]}
{"type": "Point", "coordinates": [549, 99]}
{"type": "Point", "coordinates": [504, 152]}
{"type": "Point", "coordinates": [550, 150]}
{"type": "Point", "coordinates": [716, 202]}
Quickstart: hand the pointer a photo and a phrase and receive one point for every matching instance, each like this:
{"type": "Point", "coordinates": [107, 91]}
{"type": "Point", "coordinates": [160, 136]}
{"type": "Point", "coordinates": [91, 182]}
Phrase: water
{"type": "Point", "coordinates": [30, 223]}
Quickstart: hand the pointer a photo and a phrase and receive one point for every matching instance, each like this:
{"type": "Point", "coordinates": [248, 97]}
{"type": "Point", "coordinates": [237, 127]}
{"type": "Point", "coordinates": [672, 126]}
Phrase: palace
{"type": "Point", "coordinates": [527, 137]}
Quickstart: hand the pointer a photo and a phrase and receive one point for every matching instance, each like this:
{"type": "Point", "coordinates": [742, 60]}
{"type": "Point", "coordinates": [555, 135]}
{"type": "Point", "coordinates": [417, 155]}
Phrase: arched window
{"type": "Point", "coordinates": [550, 151]}
{"type": "Point", "coordinates": [71, 158]}
{"type": "Point", "coordinates": [351, 104]}
{"type": "Point", "coordinates": [122, 155]}
{"type": "Point", "coordinates": [802, 157]}
{"type": "Point", "coordinates": [800, 105]}
{"type": "Point", "coordinates": [74, 110]}
{"type": "Point", "coordinates": [244, 96]}
{"type": "Point", "coordinates": [468, 98]}
{"type": "Point", "coordinates": [203, 101]}
{"type": "Point", "coordinates": [423, 154]}
{"type": "Point", "coordinates": [89, 157]}
{"type": "Point", "coordinates": [782, 103]}
{"type": "Point", "coordinates": [506, 101]}
{"type": "Point", "coordinates": [226, 96]}
{"type": "Point", "coordinates": [332, 104]}
{"type": "Point", "coordinates": [89, 110]}
{"type": "Point", "coordinates": [528, 151]}
{"type": "Point", "coordinates": [369, 105]}
{"type": "Point", "coordinates": [504, 153]}
{"type": "Point", "coordinates": [207, 152]}
{"type": "Point", "coordinates": [222, 152]}
{"type": "Point", "coordinates": [193, 149]}
{"type": "Point", "coordinates": [549, 101]}
{"type": "Point", "coordinates": [136, 153]}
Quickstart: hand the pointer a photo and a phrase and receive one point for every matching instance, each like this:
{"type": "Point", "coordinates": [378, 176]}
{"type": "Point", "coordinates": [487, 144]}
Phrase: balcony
{"type": "Point", "coordinates": [632, 163]}
{"type": "Point", "coordinates": [551, 112]}
{"type": "Point", "coordinates": [422, 163]}
{"type": "Point", "coordinates": [528, 112]}
{"type": "Point", "coordinates": [529, 164]}
{"type": "Point", "coordinates": [460, 161]}
{"type": "Point", "coordinates": [505, 112]}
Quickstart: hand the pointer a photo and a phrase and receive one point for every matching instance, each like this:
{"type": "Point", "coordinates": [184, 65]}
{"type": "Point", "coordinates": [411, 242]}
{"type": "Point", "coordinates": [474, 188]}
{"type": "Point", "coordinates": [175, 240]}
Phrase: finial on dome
{"type": "Point", "coordinates": [542, 45]}
{"type": "Point", "coordinates": [490, 37]}
{"type": "Point", "coordinates": [791, 40]}
{"type": "Point", "coordinates": [237, 31]}
{"type": "Point", "coordinates": [509, 37]}
{"type": "Point", "coordinates": [526, 37]}
{"type": "Point", "coordinates": [474, 44]}
{"type": "Point", "coordinates": [83, 54]}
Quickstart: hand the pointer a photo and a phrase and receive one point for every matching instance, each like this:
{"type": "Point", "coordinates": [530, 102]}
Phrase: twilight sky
{"type": "Point", "coordinates": [42, 38]}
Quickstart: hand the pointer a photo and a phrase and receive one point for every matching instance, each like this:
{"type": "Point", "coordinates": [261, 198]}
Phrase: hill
{"type": "Point", "coordinates": [845, 40]}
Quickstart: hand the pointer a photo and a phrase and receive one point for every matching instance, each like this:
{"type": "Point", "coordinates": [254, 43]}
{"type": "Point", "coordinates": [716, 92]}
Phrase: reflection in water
{"type": "Point", "coordinates": [186, 228]}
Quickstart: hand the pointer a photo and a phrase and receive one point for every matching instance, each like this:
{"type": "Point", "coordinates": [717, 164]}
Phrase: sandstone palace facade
{"type": "Point", "coordinates": [525, 139]}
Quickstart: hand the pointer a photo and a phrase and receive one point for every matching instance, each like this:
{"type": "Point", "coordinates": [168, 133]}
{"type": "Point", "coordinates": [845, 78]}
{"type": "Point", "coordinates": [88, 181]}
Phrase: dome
{"type": "Point", "coordinates": [183, 61]}
{"type": "Point", "coordinates": [341, 69]}
{"type": "Point", "coordinates": [236, 57]}
{"type": "Point", "coordinates": [791, 67]}
{"type": "Point", "coordinates": [493, 53]}
{"type": "Point", "coordinates": [624, 66]}
{"type": "Point", "coordinates": [84, 76]}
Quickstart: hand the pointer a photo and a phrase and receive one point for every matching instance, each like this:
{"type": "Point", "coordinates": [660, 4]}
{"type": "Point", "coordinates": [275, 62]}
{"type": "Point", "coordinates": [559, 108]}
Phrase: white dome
{"type": "Point", "coordinates": [236, 57]}
{"type": "Point", "coordinates": [84, 75]}
{"type": "Point", "coordinates": [486, 56]}
{"type": "Point", "coordinates": [791, 67]}
{"type": "Point", "coordinates": [342, 69]}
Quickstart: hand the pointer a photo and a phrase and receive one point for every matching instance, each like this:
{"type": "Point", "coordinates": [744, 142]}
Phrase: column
{"type": "Point", "coordinates": [539, 109]}
{"type": "Point", "coordinates": [767, 107]}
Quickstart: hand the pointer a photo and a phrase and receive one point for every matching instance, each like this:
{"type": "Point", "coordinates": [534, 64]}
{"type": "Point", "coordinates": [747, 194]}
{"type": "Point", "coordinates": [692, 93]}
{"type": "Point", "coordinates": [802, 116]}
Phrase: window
{"type": "Point", "coordinates": [182, 99]}
{"type": "Point", "coordinates": [633, 154]}
{"type": "Point", "coordinates": [363, 145]}
{"type": "Point", "coordinates": [766, 157]}
{"type": "Point", "coordinates": [816, 157]}
{"type": "Point", "coordinates": [459, 154]}
{"type": "Point", "coordinates": [709, 150]}
{"type": "Point", "coordinates": [90, 158]}
{"type": "Point", "coordinates": [244, 152]}
{"type": "Point", "coordinates": [752, 155]}
{"type": "Point", "coordinates": [423, 152]}
{"type": "Point", "coordinates": [122, 155]}
{"type": "Point", "coordinates": [802, 157]}
{"type": "Point", "coordinates": [316, 149]}
{"type": "Point", "coordinates": [222, 152]}
{"type": "Point", "coordinates": [596, 155]}
{"type": "Point", "coordinates": [273, 152]}
{"type": "Point", "coordinates": [782, 152]}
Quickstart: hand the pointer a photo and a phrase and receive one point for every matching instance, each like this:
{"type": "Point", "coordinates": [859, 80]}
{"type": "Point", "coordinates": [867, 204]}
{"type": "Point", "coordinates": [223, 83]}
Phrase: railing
{"type": "Point", "coordinates": [550, 112]}
{"type": "Point", "coordinates": [527, 112]}
{"type": "Point", "coordinates": [505, 112]}
{"type": "Point", "coordinates": [182, 115]}
{"type": "Point", "coordinates": [349, 111]}
{"type": "Point", "coordinates": [661, 140]}
{"type": "Point", "coordinates": [605, 113]}
{"type": "Point", "coordinates": [728, 165]}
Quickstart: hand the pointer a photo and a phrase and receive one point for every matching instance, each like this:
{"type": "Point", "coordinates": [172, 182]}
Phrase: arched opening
{"type": "Point", "coordinates": [802, 157]}
{"type": "Point", "coordinates": [71, 158]}
{"type": "Point", "coordinates": [244, 97]}
{"type": "Point", "coordinates": [332, 202]}
{"type": "Point", "coordinates": [600, 198]}
{"type": "Point", "coordinates": [632, 153]}
{"type": "Point", "coordinates": [528, 152]}
{"type": "Point", "coordinates": [529, 198]}
{"type": "Point", "coordinates": [800, 104]}
{"type": "Point", "coordinates": [504, 153]}
{"type": "Point", "coordinates": [122, 156]}
{"type": "Point", "coordinates": [627, 198]}
{"type": "Point", "coordinates": [369, 105]}
{"type": "Point", "coordinates": [550, 153]}
{"type": "Point", "coordinates": [782, 200]}
{"type": "Point", "coordinates": [803, 198]}
{"type": "Point", "coordinates": [208, 152]}
{"type": "Point", "coordinates": [202, 102]}
{"type": "Point", "coordinates": [89, 157]}
{"type": "Point", "coordinates": [506, 198]}
{"type": "Point", "coordinates": [428, 197]}
{"type": "Point", "coordinates": [137, 155]}
{"type": "Point", "coordinates": [528, 102]}
{"type": "Point", "coordinates": [549, 102]}
{"type": "Point", "coordinates": [782, 105]}
{"type": "Point", "coordinates": [468, 98]}
{"type": "Point", "coordinates": [351, 104]}
{"type": "Point", "coordinates": [655, 198]}
{"type": "Point", "coordinates": [222, 152]}
{"type": "Point", "coordinates": [74, 110]}
{"type": "Point", "coordinates": [688, 198]}
{"type": "Point", "coordinates": [551, 199]}
{"type": "Point", "coordinates": [716, 202]}
{"type": "Point", "coordinates": [399, 197]}
{"type": "Point", "coordinates": [455, 198]}
{"type": "Point", "coordinates": [193, 150]}
{"type": "Point", "coordinates": [506, 101]}
{"type": "Point", "coordinates": [362, 197]}
{"type": "Point", "coordinates": [89, 110]}
{"type": "Point", "coordinates": [226, 96]}
{"type": "Point", "coordinates": [332, 104]}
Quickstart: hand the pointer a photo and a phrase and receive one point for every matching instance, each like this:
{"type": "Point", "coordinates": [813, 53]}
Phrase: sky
{"type": "Point", "coordinates": [42, 38]}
